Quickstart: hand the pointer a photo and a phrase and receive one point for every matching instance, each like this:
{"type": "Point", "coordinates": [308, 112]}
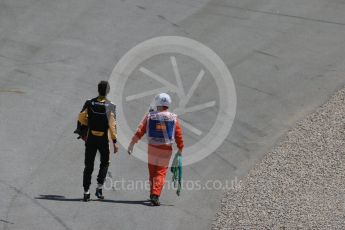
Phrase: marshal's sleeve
{"type": "Point", "coordinates": [141, 130]}
{"type": "Point", "coordinates": [179, 136]}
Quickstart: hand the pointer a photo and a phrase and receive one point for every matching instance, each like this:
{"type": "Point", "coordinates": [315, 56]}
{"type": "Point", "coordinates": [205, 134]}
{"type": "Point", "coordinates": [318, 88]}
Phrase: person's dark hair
{"type": "Point", "coordinates": [103, 88]}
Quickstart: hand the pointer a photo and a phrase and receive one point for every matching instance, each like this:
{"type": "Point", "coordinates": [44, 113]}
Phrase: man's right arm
{"type": "Point", "coordinates": [112, 125]}
{"type": "Point", "coordinates": [141, 130]}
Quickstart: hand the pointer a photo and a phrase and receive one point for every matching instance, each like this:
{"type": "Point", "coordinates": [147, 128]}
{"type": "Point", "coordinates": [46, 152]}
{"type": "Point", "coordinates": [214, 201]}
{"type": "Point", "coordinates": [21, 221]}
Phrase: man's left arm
{"type": "Point", "coordinates": [179, 136]}
{"type": "Point", "coordinates": [82, 118]}
{"type": "Point", "coordinates": [82, 123]}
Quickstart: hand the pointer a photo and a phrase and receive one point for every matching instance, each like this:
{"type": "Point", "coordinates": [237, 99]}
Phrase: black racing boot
{"type": "Point", "coordinates": [86, 197]}
{"type": "Point", "coordinates": [99, 194]}
{"type": "Point", "coordinates": [155, 200]}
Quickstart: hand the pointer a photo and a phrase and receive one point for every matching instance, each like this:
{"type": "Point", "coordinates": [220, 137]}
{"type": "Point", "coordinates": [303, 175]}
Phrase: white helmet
{"type": "Point", "coordinates": [163, 99]}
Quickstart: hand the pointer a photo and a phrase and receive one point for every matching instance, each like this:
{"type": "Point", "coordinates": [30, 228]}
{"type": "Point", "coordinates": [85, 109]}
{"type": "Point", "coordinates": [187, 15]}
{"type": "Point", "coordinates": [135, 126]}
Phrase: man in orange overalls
{"type": "Point", "coordinates": [162, 129]}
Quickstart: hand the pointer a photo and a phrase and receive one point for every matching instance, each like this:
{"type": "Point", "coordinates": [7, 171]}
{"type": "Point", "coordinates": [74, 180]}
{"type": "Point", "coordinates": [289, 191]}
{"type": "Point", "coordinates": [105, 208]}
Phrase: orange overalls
{"type": "Point", "coordinates": [162, 128]}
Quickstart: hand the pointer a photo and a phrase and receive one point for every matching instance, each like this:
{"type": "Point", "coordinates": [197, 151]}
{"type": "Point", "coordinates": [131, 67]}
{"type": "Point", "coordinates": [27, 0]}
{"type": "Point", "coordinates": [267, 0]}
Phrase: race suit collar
{"type": "Point", "coordinates": [101, 98]}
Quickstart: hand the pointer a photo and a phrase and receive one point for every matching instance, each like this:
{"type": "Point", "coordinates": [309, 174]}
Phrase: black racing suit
{"type": "Point", "coordinates": [99, 115]}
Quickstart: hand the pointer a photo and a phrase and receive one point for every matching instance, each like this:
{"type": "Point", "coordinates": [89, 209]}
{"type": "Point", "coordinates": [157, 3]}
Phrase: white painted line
{"type": "Point", "coordinates": [184, 101]}
{"type": "Point", "coordinates": [195, 108]}
{"type": "Point", "coordinates": [154, 76]}
{"type": "Point", "coordinates": [190, 127]}
{"type": "Point", "coordinates": [177, 76]}
{"type": "Point", "coordinates": [147, 93]}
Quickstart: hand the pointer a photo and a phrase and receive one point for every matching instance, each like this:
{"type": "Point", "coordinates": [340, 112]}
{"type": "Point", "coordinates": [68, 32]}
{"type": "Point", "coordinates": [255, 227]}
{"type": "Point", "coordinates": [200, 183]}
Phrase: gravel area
{"type": "Point", "coordinates": [300, 184]}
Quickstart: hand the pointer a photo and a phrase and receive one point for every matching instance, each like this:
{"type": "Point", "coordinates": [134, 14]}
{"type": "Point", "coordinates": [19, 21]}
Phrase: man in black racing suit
{"type": "Point", "coordinates": [97, 125]}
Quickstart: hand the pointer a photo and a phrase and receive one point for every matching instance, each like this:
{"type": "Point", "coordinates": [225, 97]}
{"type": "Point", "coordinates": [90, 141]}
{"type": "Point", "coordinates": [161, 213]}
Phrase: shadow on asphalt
{"type": "Point", "coordinates": [63, 198]}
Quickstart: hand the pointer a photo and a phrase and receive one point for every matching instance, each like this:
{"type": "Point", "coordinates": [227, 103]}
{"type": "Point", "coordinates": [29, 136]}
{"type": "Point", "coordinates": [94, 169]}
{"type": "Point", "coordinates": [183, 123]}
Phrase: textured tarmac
{"type": "Point", "coordinates": [286, 58]}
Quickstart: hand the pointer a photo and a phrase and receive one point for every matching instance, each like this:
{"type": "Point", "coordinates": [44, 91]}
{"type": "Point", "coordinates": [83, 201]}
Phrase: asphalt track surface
{"type": "Point", "coordinates": [286, 58]}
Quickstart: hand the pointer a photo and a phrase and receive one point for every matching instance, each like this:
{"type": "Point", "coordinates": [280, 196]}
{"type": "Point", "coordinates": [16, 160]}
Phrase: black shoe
{"type": "Point", "coordinates": [155, 200]}
{"type": "Point", "coordinates": [86, 197]}
{"type": "Point", "coordinates": [99, 194]}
